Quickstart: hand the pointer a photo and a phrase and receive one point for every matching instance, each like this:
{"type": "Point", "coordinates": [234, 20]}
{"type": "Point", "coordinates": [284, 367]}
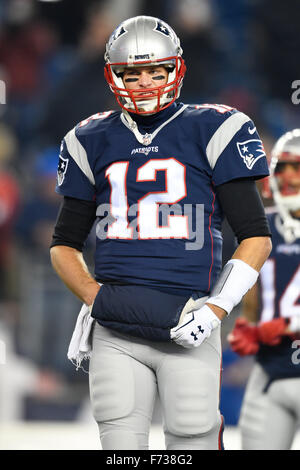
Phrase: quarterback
{"type": "Point", "coordinates": [158, 176]}
{"type": "Point", "coordinates": [270, 326]}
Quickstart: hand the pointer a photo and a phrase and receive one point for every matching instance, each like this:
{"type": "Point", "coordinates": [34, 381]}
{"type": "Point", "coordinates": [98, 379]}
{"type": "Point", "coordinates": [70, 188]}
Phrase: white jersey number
{"type": "Point", "coordinates": [148, 205]}
{"type": "Point", "coordinates": [287, 303]}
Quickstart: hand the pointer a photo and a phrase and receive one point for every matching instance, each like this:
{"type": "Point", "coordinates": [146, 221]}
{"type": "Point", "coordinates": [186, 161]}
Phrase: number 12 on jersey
{"type": "Point", "coordinates": [149, 204]}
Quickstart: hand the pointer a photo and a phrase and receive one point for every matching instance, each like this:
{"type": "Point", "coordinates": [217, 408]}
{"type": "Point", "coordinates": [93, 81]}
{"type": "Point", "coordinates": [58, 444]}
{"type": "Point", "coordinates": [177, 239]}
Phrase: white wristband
{"type": "Point", "coordinates": [236, 278]}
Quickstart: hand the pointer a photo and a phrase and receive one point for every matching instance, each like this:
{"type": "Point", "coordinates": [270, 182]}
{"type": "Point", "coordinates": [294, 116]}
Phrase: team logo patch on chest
{"type": "Point", "coordinates": [144, 150]}
{"type": "Point", "coordinates": [251, 151]}
{"type": "Point", "coordinates": [61, 170]}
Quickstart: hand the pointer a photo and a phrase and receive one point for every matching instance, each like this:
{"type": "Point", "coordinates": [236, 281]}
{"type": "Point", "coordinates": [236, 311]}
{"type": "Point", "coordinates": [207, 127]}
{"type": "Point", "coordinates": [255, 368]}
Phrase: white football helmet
{"type": "Point", "coordinates": [144, 41]}
{"type": "Point", "coordinates": [285, 182]}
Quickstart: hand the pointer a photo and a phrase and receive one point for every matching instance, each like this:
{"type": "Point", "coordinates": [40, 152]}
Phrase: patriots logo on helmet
{"type": "Point", "coordinates": [251, 151]}
{"type": "Point", "coordinates": [117, 33]}
{"type": "Point", "coordinates": [162, 29]}
{"type": "Point", "coordinates": [61, 170]}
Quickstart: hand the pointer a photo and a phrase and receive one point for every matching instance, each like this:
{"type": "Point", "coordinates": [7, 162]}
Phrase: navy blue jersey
{"type": "Point", "coordinates": [159, 221]}
{"type": "Point", "coordinates": [280, 297]}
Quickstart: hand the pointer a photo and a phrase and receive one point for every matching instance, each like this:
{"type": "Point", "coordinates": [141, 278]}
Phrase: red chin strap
{"type": "Point", "coordinates": [150, 93]}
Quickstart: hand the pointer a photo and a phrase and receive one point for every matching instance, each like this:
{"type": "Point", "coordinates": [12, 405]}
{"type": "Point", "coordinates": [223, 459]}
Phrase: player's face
{"type": "Point", "coordinates": [288, 177]}
{"type": "Point", "coordinates": [141, 79]}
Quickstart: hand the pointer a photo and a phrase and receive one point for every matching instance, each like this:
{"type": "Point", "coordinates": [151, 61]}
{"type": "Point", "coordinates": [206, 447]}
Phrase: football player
{"type": "Point", "coordinates": [158, 175]}
{"type": "Point", "coordinates": [270, 324]}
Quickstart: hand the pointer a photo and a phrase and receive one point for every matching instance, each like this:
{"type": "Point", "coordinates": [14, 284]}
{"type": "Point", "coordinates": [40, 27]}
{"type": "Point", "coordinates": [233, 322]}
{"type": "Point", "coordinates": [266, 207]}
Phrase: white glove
{"type": "Point", "coordinates": [195, 327]}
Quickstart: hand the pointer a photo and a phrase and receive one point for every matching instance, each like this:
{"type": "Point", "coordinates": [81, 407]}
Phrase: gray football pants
{"type": "Point", "coordinates": [125, 375]}
{"type": "Point", "coordinates": [268, 420]}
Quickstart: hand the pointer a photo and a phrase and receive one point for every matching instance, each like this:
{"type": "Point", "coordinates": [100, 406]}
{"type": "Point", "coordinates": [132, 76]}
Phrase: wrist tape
{"type": "Point", "coordinates": [236, 278]}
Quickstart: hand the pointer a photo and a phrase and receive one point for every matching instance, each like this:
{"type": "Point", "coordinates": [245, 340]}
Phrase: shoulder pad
{"type": "Point", "coordinates": [93, 122]}
{"type": "Point", "coordinates": [219, 108]}
{"type": "Point", "coordinates": [208, 109]}
{"type": "Point", "coordinates": [214, 114]}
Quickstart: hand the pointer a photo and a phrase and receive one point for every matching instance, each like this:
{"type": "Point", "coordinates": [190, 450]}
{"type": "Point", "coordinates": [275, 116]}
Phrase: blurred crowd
{"type": "Point", "coordinates": [241, 53]}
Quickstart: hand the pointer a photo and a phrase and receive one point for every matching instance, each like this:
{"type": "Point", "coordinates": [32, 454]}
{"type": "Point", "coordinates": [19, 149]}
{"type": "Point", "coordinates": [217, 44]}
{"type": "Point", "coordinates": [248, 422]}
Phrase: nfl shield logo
{"type": "Point", "coordinates": [251, 151]}
{"type": "Point", "coordinates": [147, 139]}
{"type": "Point", "coordinates": [61, 170]}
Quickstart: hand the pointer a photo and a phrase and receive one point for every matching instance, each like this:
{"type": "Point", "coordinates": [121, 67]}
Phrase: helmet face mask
{"type": "Point", "coordinates": [144, 41]}
{"type": "Point", "coordinates": [285, 182]}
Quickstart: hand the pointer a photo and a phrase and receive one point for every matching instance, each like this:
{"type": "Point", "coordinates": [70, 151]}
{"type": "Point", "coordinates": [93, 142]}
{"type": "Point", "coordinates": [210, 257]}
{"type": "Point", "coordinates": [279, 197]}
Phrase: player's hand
{"type": "Point", "coordinates": [271, 332]}
{"type": "Point", "coordinates": [244, 338]}
{"type": "Point", "coordinates": [195, 327]}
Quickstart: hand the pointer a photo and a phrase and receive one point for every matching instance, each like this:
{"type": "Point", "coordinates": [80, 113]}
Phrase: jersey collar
{"type": "Point", "coordinates": [147, 123]}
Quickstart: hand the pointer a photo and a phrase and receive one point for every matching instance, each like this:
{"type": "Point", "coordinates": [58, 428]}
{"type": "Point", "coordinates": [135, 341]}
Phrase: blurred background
{"type": "Point", "coordinates": [242, 53]}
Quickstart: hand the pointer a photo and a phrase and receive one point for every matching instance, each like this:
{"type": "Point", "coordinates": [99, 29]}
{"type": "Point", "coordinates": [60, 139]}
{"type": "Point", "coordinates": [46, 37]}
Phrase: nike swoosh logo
{"type": "Point", "coordinates": [251, 131]}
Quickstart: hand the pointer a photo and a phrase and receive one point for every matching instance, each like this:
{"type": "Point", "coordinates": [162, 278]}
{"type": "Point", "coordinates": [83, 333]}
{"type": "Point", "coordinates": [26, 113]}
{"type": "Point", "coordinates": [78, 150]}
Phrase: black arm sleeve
{"type": "Point", "coordinates": [243, 207]}
{"type": "Point", "coordinates": [74, 222]}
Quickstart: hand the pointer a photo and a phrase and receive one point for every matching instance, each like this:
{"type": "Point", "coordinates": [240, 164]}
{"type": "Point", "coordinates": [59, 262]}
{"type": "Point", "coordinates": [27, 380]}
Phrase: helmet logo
{"type": "Point", "coordinates": [118, 32]}
{"type": "Point", "coordinates": [251, 151]}
{"type": "Point", "coordinates": [162, 29]}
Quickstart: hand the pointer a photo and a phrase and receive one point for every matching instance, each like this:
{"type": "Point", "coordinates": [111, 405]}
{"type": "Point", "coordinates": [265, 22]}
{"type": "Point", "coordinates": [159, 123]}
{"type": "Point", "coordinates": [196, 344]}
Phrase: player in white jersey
{"type": "Point", "coordinates": [270, 326]}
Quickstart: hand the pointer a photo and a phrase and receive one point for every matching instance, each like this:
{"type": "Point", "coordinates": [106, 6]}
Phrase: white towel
{"type": "Point", "coordinates": [80, 346]}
